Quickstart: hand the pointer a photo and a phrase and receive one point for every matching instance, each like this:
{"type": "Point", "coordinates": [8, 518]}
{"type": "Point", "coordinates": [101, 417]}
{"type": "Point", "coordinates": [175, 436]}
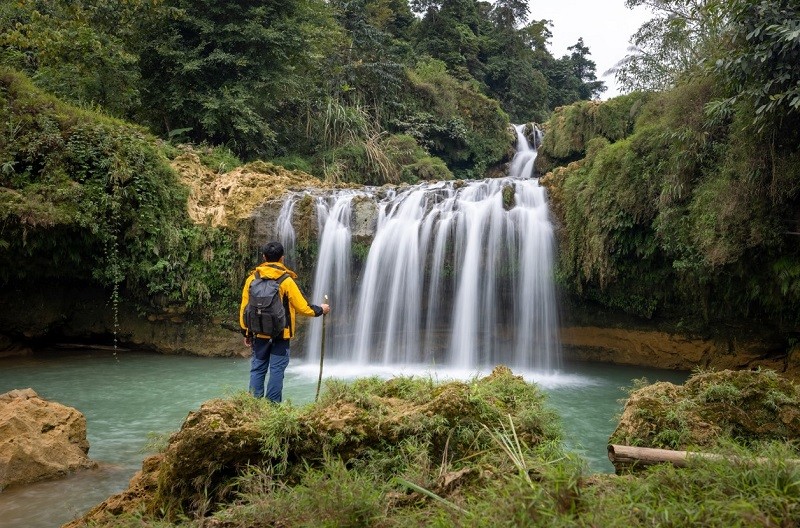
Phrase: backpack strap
{"type": "Point", "coordinates": [285, 301]}
{"type": "Point", "coordinates": [279, 280]}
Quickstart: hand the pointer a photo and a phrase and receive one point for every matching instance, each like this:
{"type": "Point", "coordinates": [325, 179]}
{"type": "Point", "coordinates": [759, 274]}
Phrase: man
{"type": "Point", "coordinates": [271, 353]}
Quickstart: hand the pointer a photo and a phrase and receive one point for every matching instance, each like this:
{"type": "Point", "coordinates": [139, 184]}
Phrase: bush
{"type": "Point", "coordinates": [94, 199]}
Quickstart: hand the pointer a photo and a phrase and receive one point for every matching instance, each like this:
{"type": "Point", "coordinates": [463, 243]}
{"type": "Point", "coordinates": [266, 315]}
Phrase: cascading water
{"type": "Point", "coordinates": [458, 274]}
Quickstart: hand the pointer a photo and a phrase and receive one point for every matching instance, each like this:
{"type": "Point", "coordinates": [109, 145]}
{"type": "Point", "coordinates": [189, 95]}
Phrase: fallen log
{"type": "Point", "coordinates": [628, 457]}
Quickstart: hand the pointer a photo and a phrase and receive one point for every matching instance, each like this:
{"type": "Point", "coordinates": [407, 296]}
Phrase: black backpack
{"type": "Point", "coordinates": [264, 313]}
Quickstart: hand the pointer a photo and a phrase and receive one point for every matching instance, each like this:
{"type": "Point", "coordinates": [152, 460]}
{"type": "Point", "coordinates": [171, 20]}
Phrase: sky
{"type": "Point", "coordinates": [605, 25]}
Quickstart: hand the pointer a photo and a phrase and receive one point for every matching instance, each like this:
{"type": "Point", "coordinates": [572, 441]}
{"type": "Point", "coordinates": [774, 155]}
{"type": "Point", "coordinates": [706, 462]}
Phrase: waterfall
{"type": "Point", "coordinates": [458, 274]}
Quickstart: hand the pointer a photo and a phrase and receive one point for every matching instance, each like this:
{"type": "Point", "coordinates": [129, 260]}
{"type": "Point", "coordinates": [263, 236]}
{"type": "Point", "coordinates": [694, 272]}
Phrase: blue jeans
{"type": "Point", "coordinates": [273, 359]}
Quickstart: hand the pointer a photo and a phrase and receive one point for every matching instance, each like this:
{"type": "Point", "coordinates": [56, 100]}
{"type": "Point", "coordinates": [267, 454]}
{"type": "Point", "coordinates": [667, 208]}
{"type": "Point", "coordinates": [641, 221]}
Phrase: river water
{"type": "Point", "coordinates": [131, 398]}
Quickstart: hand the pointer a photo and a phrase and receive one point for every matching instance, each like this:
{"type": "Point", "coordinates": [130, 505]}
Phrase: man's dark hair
{"type": "Point", "coordinates": [272, 251]}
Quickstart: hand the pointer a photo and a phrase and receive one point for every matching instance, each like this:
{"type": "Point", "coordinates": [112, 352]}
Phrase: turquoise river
{"type": "Point", "coordinates": [131, 400]}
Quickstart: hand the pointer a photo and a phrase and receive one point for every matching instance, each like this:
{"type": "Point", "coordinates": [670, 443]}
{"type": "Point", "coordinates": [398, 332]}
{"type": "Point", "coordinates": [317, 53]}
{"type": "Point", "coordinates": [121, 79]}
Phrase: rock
{"type": "Point", "coordinates": [8, 347]}
{"type": "Point", "coordinates": [39, 439]}
{"type": "Point", "coordinates": [365, 219]}
{"type": "Point", "coordinates": [712, 407]}
{"type": "Point", "coordinates": [223, 199]}
{"type": "Point", "coordinates": [652, 347]}
{"type": "Point", "coordinates": [80, 313]}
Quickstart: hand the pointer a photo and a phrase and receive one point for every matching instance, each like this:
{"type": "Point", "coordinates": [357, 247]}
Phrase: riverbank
{"type": "Point", "coordinates": [483, 452]}
{"type": "Point", "coordinates": [134, 400]}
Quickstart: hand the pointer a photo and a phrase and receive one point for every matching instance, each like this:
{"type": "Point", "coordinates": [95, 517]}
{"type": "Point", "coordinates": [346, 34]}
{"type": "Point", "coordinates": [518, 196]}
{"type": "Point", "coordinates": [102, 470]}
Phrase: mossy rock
{"type": "Point", "coordinates": [712, 408]}
{"type": "Point", "coordinates": [570, 129]}
{"type": "Point", "coordinates": [391, 426]}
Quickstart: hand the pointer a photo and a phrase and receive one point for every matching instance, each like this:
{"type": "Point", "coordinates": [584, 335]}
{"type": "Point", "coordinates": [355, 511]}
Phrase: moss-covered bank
{"type": "Point", "coordinates": [111, 235]}
{"type": "Point", "coordinates": [86, 198]}
{"type": "Point", "coordinates": [412, 452]}
{"type": "Point", "coordinates": [710, 409]}
{"type": "Point", "coordinates": [668, 215]}
{"type": "Point", "coordinates": [442, 437]}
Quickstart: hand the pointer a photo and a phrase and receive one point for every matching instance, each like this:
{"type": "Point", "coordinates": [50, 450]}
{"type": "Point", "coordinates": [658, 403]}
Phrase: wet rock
{"type": "Point", "coordinates": [39, 439]}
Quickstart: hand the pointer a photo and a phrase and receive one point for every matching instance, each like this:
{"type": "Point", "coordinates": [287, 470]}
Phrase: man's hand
{"type": "Point", "coordinates": [325, 308]}
{"type": "Point", "coordinates": [248, 341]}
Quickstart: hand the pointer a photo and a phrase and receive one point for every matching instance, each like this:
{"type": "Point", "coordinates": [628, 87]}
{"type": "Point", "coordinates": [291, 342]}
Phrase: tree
{"type": "Point", "coordinates": [454, 31]}
{"type": "Point", "coordinates": [760, 62]}
{"type": "Point", "coordinates": [74, 49]}
{"type": "Point", "coordinates": [584, 70]}
{"type": "Point", "coordinates": [370, 70]}
{"type": "Point", "coordinates": [671, 44]}
{"type": "Point", "coordinates": [510, 13]}
{"type": "Point", "coordinates": [224, 72]}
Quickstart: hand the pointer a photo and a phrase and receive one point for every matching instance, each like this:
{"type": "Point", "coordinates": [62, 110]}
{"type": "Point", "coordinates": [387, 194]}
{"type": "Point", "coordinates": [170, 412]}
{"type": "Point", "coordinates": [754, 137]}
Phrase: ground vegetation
{"type": "Point", "coordinates": [487, 452]}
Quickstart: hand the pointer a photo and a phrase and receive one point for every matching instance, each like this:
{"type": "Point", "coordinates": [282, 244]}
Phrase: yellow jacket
{"type": "Point", "coordinates": [293, 300]}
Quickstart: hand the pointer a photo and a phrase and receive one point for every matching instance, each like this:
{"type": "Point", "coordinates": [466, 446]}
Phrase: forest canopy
{"type": "Point", "coordinates": [320, 84]}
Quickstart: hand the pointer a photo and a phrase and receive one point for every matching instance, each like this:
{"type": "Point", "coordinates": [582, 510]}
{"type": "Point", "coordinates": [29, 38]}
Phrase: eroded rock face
{"type": "Point", "coordinates": [224, 199]}
{"type": "Point", "coordinates": [39, 439]}
{"type": "Point", "coordinates": [81, 313]}
{"type": "Point", "coordinates": [655, 348]}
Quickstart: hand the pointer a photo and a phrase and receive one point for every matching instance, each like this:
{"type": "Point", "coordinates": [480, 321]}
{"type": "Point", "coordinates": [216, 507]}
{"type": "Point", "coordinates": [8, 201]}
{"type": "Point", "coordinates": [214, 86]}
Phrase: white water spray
{"type": "Point", "coordinates": [459, 274]}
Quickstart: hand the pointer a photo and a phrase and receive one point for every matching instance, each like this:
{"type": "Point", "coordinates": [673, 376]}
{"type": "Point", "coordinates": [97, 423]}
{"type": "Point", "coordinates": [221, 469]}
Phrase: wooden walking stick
{"type": "Point", "coordinates": [321, 353]}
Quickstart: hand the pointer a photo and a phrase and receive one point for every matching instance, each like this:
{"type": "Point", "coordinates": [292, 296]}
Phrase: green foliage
{"type": "Point", "coordinates": [503, 475]}
{"type": "Point", "coordinates": [672, 44]}
{"type": "Point", "coordinates": [759, 63]}
{"type": "Point", "coordinates": [711, 410]}
{"type": "Point", "coordinates": [220, 159]}
{"type": "Point", "coordinates": [570, 128]}
{"type": "Point", "coordinates": [683, 216]}
{"type": "Point", "coordinates": [358, 443]}
{"type": "Point", "coordinates": [92, 199]}
{"type": "Point", "coordinates": [294, 162]}
{"type": "Point", "coordinates": [305, 79]}
{"type": "Point", "coordinates": [427, 168]}
{"type": "Point", "coordinates": [608, 206]}
{"type": "Point", "coordinates": [454, 122]}
{"type": "Point", "coordinates": [497, 49]}
{"type": "Point", "coordinates": [572, 77]}
{"type": "Point", "coordinates": [359, 252]}
{"type": "Point", "coordinates": [71, 49]}
{"type": "Point", "coordinates": [414, 162]}
{"type": "Point", "coordinates": [224, 71]}
{"type": "Point", "coordinates": [330, 496]}
{"type": "Point", "coordinates": [708, 493]}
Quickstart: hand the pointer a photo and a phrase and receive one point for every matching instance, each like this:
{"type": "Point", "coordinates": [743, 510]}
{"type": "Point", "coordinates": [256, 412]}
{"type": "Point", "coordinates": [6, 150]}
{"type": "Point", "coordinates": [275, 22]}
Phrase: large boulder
{"type": "Point", "coordinates": [39, 439]}
{"type": "Point", "coordinates": [711, 408]}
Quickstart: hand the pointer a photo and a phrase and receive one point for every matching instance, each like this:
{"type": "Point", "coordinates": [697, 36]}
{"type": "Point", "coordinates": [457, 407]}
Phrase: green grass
{"type": "Point", "coordinates": [484, 453]}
